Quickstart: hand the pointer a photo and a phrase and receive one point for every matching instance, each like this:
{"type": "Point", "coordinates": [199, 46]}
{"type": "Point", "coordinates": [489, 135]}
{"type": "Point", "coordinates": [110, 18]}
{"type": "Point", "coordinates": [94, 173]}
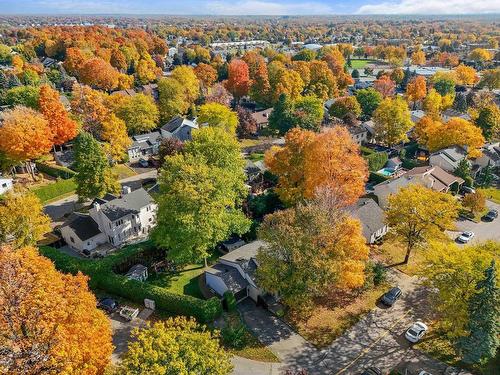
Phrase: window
{"type": "Point", "coordinates": [72, 239]}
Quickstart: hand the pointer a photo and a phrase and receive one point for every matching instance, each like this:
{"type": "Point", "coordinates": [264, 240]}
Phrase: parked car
{"type": "Point", "coordinates": [416, 332]}
{"type": "Point", "coordinates": [465, 237]}
{"type": "Point", "coordinates": [467, 190]}
{"type": "Point", "coordinates": [372, 371]}
{"type": "Point", "coordinates": [423, 372]}
{"type": "Point", "coordinates": [108, 304]}
{"type": "Point", "coordinates": [391, 296]}
{"type": "Point", "coordinates": [491, 215]}
{"type": "Point", "coordinates": [143, 163]}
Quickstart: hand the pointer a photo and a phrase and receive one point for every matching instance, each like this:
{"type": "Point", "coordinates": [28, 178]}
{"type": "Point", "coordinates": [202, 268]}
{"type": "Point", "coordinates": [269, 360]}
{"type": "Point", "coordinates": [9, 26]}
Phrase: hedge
{"type": "Point", "coordinates": [102, 277]}
{"type": "Point", "coordinates": [376, 161]}
{"type": "Point", "coordinates": [55, 170]}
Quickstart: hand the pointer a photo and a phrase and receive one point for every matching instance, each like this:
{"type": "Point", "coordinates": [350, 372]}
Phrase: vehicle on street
{"type": "Point", "coordinates": [467, 190]}
{"type": "Point", "coordinates": [143, 163]}
{"type": "Point", "coordinates": [423, 372]}
{"type": "Point", "coordinates": [372, 371]}
{"type": "Point", "coordinates": [490, 216]}
{"type": "Point", "coordinates": [416, 332]}
{"type": "Point", "coordinates": [108, 304]}
{"type": "Point", "coordinates": [465, 237]}
{"type": "Point", "coordinates": [391, 296]}
{"type": "Point", "coordinates": [129, 313]}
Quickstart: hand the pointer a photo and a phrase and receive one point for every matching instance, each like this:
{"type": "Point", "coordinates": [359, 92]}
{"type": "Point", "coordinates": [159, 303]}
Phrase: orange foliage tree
{"type": "Point", "coordinates": [416, 90]}
{"type": "Point", "coordinates": [62, 126]}
{"type": "Point", "coordinates": [309, 162]}
{"type": "Point", "coordinates": [238, 81]}
{"type": "Point", "coordinates": [100, 74]}
{"type": "Point", "coordinates": [206, 75]}
{"type": "Point", "coordinates": [385, 86]}
{"type": "Point", "coordinates": [49, 322]}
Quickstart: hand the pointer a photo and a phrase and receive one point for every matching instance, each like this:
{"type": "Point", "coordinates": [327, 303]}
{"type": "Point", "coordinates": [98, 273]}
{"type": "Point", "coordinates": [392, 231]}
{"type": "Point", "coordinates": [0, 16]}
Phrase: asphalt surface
{"type": "Point", "coordinates": [483, 230]}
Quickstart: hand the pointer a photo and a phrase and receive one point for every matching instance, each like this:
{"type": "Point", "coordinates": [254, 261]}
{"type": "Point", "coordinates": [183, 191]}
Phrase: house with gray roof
{"type": "Point", "coordinates": [179, 128]}
{"type": "Point", "coordinates": [448, 158]}
{"type": "Point", "coordinates": [144, 146]}
{"type": "Point", "coordinates": [235, 272]}
{"type": "Point", "coordinates": [372, 219]}
{"type": "Point", "coordinates": [113, 220]}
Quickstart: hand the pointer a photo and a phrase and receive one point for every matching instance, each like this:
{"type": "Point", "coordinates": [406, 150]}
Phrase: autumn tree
{"type": "Point", "coordinates": [322, 82]}
{"type": "Point", "coordinates": [219, 94]}
{"type": "Point", "coordinates": [369, 100]}
{"type": "Point", "coordinates": [62, 127]}
{"type": "Point", "coordinates": [168, 147]}
{"type": "Point", "coordinates": [466, 75]}
{"type": "Point", "coordinates": [476, 202]}
{"type": "Point", "coordinates": [392, 121]}
{"type": "Point", "coordinates": [416, 90]}
{"type": "Point", "coordinates": [417, 214]}
{"type": "Point", "coordinates": [139, 112]}
{"type": "Point", "coordinates": [22, 221]}
{"type": "Point", "coordinates": [201, 191]}
{"type": "Point", "coordinates": [490, 79]}
{"type": "Point", "coordinates": [206, 75]}
{"type": "Point", "coordinates": [247, 125]}
{"type": "Point", "coordinates": [171, 101]}
{"type": "Point", "coordinates": [345, 105]}
{"type": "Point", "coordinates": [451, 273]}
{"type": "Point", "coordinates": [418, 57]}
{"type": "Point", "coordinates": [444, 83]}
{"type": "Point", "coordinates": [385, 86]}
{"type": "Point", "coordinates": [146, 70]}
{"type": "Point", "coordinates": [238, 81]}
{"type": "Point", "coordinates": [480, 55]}
{"type": "Point", "coordinates": [218, 115]}
{"type": "Point", "coordinates": [89, 107]}
{"type": "Point", "coordinates": [308, 250]}
{"type": "Point", "coordinates": [283, 81]}
{"type": "Point", "coordinates": [114, 133]}
{"type": "Point", "coordinates": [488, 120]}
{"type": "Point", "coordinates": [175, 346]}
{"type": "Point", "coordinates": [260, 85]}
{"type": "Point", "coordinates": [20, 128]}
{"type": "Point", "coordinates": [310, 161]}
{"type": "Point", "coordinates": [75, 60]}
{"type": "Point", "coordinates": [93, 175]}
{"type": "Point", "coordinates": [189, 83]}
{"type": "Point", "coordinates": [49, 322]}
{"type": "Point", "coordinates": [100, 74]}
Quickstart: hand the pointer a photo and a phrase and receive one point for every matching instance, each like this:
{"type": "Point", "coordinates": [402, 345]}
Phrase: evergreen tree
{"type": "Point", "coordinates": [93, 178]}
{"type": "Point", "coordinates": [406, 78]}
{"type": "Point", "coordinates": [485, 177]}
{"type": "Point", "coordinates": [281, 118]}
{"type": "Point", "coordinates": [463, 171]}
{"type": "Point", "coordinates": [484, 328]}
{"type": "Point", "coordinates": [13, 81]}
{"type": "Point", "coordinates": [355, 73]}
{"type": "Point", "coordinates": [460, 103]}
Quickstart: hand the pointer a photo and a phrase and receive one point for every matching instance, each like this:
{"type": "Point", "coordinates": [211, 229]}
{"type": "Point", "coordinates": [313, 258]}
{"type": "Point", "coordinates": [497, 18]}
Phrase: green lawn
{"type": "Point", "coordinates": [53, 191]}
{"type": "Point", "coordinates": [360, 64]}
{"type": "Point", "coordinates": [492, 194]}
{"type": "Point", "coordinates": [256, 156]}
{"type": "Point", "coordinates": [123, 171]}
{"type": "Point", "coordinates": [183, 282]}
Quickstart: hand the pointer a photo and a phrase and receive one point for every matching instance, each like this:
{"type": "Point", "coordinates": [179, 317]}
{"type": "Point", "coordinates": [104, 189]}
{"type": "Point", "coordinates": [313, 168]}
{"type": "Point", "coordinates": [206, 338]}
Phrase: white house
{"type": "Point", "coordinates": [5, 185]}
{"type": "Point", "coordinates": [114, 220]}
{"type": "Point", "coordinates": [179, 128]}
{"type": "Point", "coordinates": [448, 158]}
{"type": "Point", "coordinates": [235, 272]}
{"type": "Point", "coordinates": [144, 146]}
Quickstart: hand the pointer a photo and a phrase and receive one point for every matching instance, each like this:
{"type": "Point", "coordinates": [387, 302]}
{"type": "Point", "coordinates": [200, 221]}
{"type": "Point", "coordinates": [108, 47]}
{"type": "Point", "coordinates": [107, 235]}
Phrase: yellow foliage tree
{"type": "Point", "coordinates": [114, 133]}
{"type": "Point", "coordinates": [392, 121]}
{"type": "Point", "coordinates": [466, 75]}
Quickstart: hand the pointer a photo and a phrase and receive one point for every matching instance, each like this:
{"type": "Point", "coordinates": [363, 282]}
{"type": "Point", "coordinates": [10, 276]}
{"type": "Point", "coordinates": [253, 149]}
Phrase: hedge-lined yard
{"type": "Point", "coordinates": [102, 277]}
{"type": "Point", "coordinates": [58, 189]}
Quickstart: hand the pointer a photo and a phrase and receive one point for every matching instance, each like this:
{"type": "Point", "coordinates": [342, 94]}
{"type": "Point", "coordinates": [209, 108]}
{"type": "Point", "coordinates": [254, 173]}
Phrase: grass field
{"type": "Point", "coordinates": [360, 64]}
{"type": "Point", "coordinates": [183, 282]}
{"type": "Point", "coordinates": [123, 171]}
{"type": "Point", "coordinates": [57, 190]}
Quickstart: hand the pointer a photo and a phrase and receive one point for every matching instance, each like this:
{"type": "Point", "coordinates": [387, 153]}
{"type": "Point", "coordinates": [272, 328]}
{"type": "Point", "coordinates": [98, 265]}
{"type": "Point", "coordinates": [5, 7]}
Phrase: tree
{"type": "Point", "coordinates": [311, 161]}
{"type": "Point", "coordinates": [416, 90]}
{"type": "Point", "coordinates": [171, 101]}
{"type": "Point", "coordinates": [466, 75]}
{"type": "Point", "coordinates": [283, 81]}
{"type": "Point", "coordinates": [238, 81]}
{"type": "Point", "coordinates": [49, 322]}
{"type": "Point", "coordinates": [219, 94]}
{"type": "Point", "coordinates": [100, 74]}
{"type": "Point", "coordinates": [168, 147]}
{"type": "Point", "coordinates": [139, 112]}
{"type": "Point", "coordinates": [206, 75]}
{"type": "Point", "coordinates": [201, 191]}
{"type": "Point", "coordinates": [189, 83]}
{"type": "Point", "coordinates": [417, 214]}
{"type": "Point", "coordinates": [483, 340]}
{"type": "Point", "coordinates": [451, 273]}
{"type": "Point", "coordinates": [63, 128]}
{"type": "Point", "coordinates": [304, 55]}
{"type": "Point", "coordinates": [21, 126]}
{"type": "Point", "coordinates": [463, 170]}
{"type": "Point", "coordinates": [397, 75]}
{"type": "Point", "coordinates": [444, 83]}
{"type": "Point", "coordinates": [460, 103]}
{"type": "Point", "coordinates": [281, 118]}
{"type": "Point", "coordinates": [434, 104]}
{"type": "Point", "coordinates": [260, 86]}
{"type": "Point", "coordinates": [308, 113]}
{"type": "Point", "coordinates": [385, 86]}
{"type": "Point", "coordinates": [175, 346]}
{"type": "Point", "coordinates": [27, 96]}
{"type": "Point", "coordinates": [369, 100]}
{"type": "Point", "coordinates": [214, 114]}
{"type": "Point", "coordinates": [489, 121]}
{"type": "Point", "coordinates": [345, 105]}
{"type": "Point", "coordinates": [146, 70]}
{"type": "Point", "coordinates": [114, 133]}
{"type": "Point", "coordinates": [309, 250]}
{"type": "Point", "coordinates": [322, 82]}
{"type": "Point", "coordinates": [74, 61]}
{"type": "Point", "coordinates": [490, 79]}
{"type": "Point", "coordinates": [22, 221]}
{"type": "Point", "coordinates": [93, 175]}
{"type": "Point", "coordinates": [418, 57]}
{"type": "Point", "coordinates": [5, 54]}
{"type": "Point", "coordinates": [355, 73]}
{"type": "Point", "coordinates": [392, 121]}
{"type": "Point", "coordinates": [476, 202]}
{"type": "Point", "coordinates": [88, 105]}
{"type": "Point", "coordinates": [247, 125]}
{"type": "Point", "coordinates": [480, 55]}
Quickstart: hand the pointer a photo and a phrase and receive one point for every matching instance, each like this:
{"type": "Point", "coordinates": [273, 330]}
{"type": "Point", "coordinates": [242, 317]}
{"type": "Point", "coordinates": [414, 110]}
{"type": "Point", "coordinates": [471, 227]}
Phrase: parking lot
{"type": "Point", "coordinates": [483, 231]}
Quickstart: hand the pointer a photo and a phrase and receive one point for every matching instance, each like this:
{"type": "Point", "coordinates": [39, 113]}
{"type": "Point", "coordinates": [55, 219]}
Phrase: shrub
{"type": "Point", "coordinates": [230, 301]}
{"type": "Point", "coordinates": [234, 335]}
{"type": "Point", "coordinates": [376, 160]}
{"type": "Point", "coordinates": [379, 273]}
{"type": "Point", "coordinates": [55, 170]}
{"type": "Point", "coordinates": [377, 178]}
{"type": "Point", "coordinates": [102, 277]}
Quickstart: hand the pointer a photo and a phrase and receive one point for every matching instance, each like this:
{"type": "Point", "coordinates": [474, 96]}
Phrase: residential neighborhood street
{"type": "Point", "coordinates": [483, 230]}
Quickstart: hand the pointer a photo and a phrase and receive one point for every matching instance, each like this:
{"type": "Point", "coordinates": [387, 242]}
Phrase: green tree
{"type": "Point", "coordinates": [281, 118]}
{"type": "Point", "coordinates": [463, 170]}
{"type": "Point", "coordinates": [347, 105]}
{"type": "Point", "coordinates": [304, 55]}
{"type": "Point", "coordinates": [392, 121]}
{"type": "Point", "coordinates": [355, 73]}
{"type": "Point", "coordinates": [94, 177]}
{"type": "Point", "coordinates": [489, 121]}
{"type": "Point", "coordinates": [176, 346]}
{"type": "Point", "coordinates": [201, 191]}
{"type": "Point", "coordinates": [23, 95]}
{"type": "Point", "coordinates": [5, 54]}
{"type": "Point", "coordinates": [369, 100]}
{"type": "Point", "coordinates": [460, 103]}
{"type": "Point", "coordinates": [218, 115]}
{"type": "Point", "coordinates": [483, 340]}
{"type": "Point", "coordinates": [139, 112]}
{"type": "Point", "coordinates": [171, 99]}
{"type": "Point", "coordinates": [308, 113]}
{"type": "Point", "coordinates": [444, 84]}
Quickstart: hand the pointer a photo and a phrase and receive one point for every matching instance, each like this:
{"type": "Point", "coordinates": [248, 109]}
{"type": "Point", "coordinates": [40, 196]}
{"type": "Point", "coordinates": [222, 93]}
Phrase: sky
{"type": "Point", "coordinates": [249, 7]}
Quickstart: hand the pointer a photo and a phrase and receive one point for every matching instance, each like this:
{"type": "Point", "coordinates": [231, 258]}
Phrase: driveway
{"type": "Point", "coordinates": [483, 230]}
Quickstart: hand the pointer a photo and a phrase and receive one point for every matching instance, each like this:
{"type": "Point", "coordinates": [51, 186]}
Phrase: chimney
{"type": "Point", "coordinates": [126, 190]}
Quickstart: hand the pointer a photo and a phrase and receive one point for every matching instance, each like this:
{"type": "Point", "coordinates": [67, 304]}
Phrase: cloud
{"type": "Point", "coordinates": [259, 7]}
{"type": "Point", "coordinates": [432, 7]}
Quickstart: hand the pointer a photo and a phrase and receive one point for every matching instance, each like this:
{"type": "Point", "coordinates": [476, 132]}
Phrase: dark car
{"type": "Point", "coordinates": [391, 296]}
{"type": "Point", "coordinates": [491, 215]}
{"type": "Point", "coordinates": [372, 371]}
{"type": "Point", "coordinates": [108, 304]}
{"type": "Point", "coordinates": [467, 190]}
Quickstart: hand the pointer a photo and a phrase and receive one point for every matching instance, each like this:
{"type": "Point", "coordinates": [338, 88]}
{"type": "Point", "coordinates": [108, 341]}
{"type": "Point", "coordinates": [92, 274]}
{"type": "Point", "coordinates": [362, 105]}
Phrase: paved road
{"type": "Point", "coordinates": [58, 209]}
{"type": "Point", "coordinates": [376, 340]}
{"type": "Point", "coordinates": [483, 230]}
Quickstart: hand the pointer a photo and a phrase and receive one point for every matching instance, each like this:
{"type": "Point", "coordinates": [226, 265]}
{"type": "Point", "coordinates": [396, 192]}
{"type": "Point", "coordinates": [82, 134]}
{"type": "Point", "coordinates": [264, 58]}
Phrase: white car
{"type": "Point", "coordinates": [416, 332]}
{"type": "Point", "coordinates": [423, 372]}
{"type": "Point", "coordinates": [465, 237]}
